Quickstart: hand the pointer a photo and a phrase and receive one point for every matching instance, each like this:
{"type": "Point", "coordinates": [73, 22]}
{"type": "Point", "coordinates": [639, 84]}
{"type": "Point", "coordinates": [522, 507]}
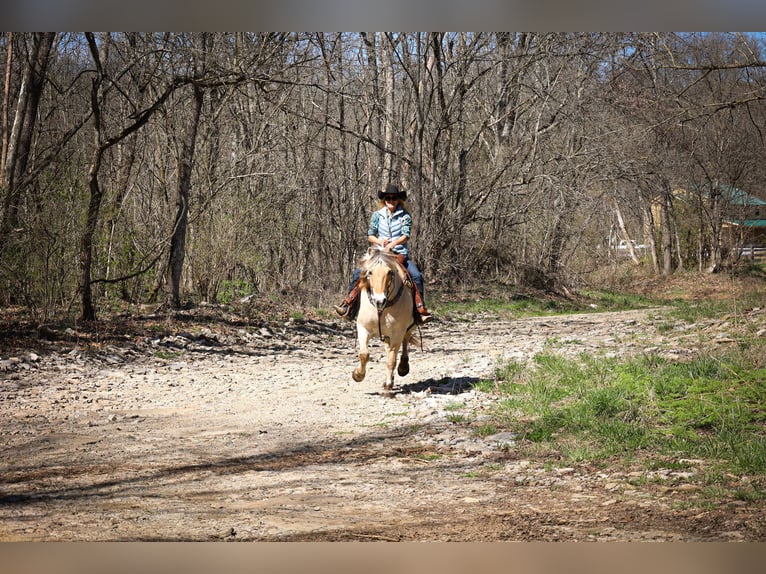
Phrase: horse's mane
{"type": "Point", "coordinates": [377, 255]}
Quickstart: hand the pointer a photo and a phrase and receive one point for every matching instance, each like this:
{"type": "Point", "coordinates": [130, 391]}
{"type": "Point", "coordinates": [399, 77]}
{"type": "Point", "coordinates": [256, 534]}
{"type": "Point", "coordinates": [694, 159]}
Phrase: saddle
{"type": "Point", "coordinates": [417, 300]}
{"type": "Point", "coordinates": [350, 307]}
{"type": "Point", "coordinates": [403, 273]}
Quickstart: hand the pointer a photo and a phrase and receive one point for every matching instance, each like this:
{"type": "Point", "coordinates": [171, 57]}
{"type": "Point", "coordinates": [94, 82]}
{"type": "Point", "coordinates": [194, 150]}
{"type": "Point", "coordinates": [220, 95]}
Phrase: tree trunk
{"type": "Point", "coordinates": [624, 232]}
{"type": "Point", "coordinates": [388, 118]}
{"type": "Point", "coordinates": [667, 235]}
{"type": "Point", "coordinates": [185, 165]}
{"type": "Point", "coordinates": [96, 194]}
{"type": "Point", "coordinates": [6, 100]}
{"type": "Point", "coordinates": [649, 217]}
{"type": "Point", "coordinates": [19, 141]}
{"type": "Point", "coordinates": [91, 221]}
{"type": "Point", "coordinates": [101, 143]}
{"type": "Point", "coordinates": [178, 238]}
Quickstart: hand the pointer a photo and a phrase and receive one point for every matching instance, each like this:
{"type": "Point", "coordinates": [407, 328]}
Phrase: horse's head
{"type": "Point", "coordinates": [379, 276]}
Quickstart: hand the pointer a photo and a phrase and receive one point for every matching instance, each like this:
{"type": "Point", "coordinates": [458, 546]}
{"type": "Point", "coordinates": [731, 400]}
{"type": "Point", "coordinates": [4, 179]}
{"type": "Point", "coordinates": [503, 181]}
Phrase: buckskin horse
{"type": "Point", "coordinates": [385, 311]}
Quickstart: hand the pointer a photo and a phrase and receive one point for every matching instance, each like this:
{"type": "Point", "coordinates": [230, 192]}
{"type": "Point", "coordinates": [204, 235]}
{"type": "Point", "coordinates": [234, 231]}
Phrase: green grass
{"type": "Point", "coordinates": [692, 311]}
{"type": "Point", "coordinates": [512, 304]}
{"type": "Point", "coordinates": [586, 409]}
{"type": "Point", "coordinates": [706, 416]}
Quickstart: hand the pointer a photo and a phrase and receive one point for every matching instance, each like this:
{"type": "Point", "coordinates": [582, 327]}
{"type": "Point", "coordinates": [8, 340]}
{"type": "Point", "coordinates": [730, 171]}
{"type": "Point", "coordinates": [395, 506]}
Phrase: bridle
{"type": "Point", "coordinates": [389, 301]}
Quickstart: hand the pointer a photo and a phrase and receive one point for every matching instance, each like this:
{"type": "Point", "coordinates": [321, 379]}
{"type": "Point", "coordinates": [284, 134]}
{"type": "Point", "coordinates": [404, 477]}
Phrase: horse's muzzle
{"type": "Point", "coordinates": [380, 301]}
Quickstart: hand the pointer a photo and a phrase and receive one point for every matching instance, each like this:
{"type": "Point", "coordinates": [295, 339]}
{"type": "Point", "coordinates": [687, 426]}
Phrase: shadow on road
{"type": "Point", "coordinates": [442, 386]}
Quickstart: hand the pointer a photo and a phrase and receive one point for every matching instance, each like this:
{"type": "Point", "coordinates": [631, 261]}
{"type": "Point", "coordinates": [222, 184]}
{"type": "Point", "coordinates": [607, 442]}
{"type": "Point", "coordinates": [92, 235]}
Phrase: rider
{"type": "Point", "coordinates": [389, 228]}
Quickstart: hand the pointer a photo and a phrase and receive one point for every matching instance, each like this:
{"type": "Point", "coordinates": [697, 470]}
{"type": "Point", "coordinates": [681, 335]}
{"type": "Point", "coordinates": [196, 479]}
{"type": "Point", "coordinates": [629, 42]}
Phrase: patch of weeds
{"type": "Point", "coordinates": [665, 464]}
{"type": "Point", "coordinates": [413, 429]}
{"type": "Point", "coordinates": [574, 452]}
{"type": "Point", "coordinates": [614, 301]}
{"type": "Point", "coordinates": [642, 480]}
{"type": "Point", "coordinates": [708, 409]}
{"type": "Point", "coordinates": [485, 386]}
{"type": "Point", "coordinates": [427, 456]}
{"type": "Point", "coordinates": [507, 374]}
{"type": "Point", "coordinates": [699, 309]}
{"type": "Point", "coordinates": [457, 418]}
{"type": "Point", "coordinates": [485, 430]}
{"type": "Point", "coordinates": [665, 327]}
{"type": "Point", "coordinates": [711, 496]}
{"type": "Point", "coordinates": [696, 503]}
{"type": "Point", "coordinates": [748, 494]}
{"type": "Point", "coordinates": [454, 406]}
{"type": "Point", "coordinates": [551, 342]}
{"type": "Point", "coordinates": [381, 425]}
{"type": "Point", "coordinates": [229, 291]}
{"type": "Point", "coordinates": [509, 304]}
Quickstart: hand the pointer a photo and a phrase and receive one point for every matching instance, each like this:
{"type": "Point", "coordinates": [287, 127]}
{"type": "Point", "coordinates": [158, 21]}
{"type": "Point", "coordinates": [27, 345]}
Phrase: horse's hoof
{"type": "Point", "coordinates": [404, 368]}
{"type": "Point", "coordinates": [358, 377]}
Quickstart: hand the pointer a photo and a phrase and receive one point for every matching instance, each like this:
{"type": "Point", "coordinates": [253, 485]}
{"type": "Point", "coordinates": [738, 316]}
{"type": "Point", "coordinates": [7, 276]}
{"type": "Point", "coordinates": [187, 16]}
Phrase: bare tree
{"type": "Point", "coordinates": [187, 144]}
{"type": "Point", "coordinates": [103, 141]}
{"type": "Point", "coordinates": [17, 143]}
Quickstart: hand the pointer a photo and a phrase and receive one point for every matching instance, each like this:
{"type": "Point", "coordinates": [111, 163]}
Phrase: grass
{"type": "Point", "coordinates": [706, 415]}
{"type": "Point", "coordinates": [166, 355]}
{"type": "Point", "coordinates": [507, 303]}
{"type": "Point", "coordinates": [589, 409]}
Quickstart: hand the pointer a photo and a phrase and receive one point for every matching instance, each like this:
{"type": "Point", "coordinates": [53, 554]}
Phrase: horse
{"type": "Point", "coordinates": [385, 310]}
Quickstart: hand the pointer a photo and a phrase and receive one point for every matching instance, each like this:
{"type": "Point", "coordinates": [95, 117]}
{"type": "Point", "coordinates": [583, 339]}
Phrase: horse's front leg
{"type": "Point", "coordinates": [404, 361]}
{"type": "Point", "coordinates": [391, 352]}
{"type": "Point", "coordinates": [364, 354]}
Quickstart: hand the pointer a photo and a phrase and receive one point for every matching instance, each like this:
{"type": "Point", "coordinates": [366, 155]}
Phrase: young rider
{"type": "Point", "coordinates": [389, 228]}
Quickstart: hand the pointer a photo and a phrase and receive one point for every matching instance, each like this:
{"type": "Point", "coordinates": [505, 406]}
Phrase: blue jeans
{"type": "Point", "coordinates": [412, 269]}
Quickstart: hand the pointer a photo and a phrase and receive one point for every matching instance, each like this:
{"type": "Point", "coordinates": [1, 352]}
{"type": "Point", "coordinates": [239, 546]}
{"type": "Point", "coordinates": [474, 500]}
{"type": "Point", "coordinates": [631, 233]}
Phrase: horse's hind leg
{"type": "Point", "coordinates": [404, 361]}
{"type": "Point", "coordinates": [364, 356]}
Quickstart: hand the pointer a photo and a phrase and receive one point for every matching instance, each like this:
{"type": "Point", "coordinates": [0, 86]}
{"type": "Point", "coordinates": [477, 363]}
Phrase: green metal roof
{"type": "Point", "coordinates": [748, 222]}
{"type": "Point", "coordinates": [737, 196]}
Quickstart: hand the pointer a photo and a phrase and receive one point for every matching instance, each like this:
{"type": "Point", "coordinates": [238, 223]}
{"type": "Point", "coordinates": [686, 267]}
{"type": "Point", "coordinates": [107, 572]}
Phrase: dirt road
{"type": "Point", "coordinates": [249, 433]}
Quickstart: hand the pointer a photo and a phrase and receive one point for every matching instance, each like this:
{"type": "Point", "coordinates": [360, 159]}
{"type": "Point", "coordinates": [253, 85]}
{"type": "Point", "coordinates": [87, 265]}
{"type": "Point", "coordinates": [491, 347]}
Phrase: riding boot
{"type": "Point", "coordinates": [423, 316]}
{"type": "Point", "coordinates": [350, 306]}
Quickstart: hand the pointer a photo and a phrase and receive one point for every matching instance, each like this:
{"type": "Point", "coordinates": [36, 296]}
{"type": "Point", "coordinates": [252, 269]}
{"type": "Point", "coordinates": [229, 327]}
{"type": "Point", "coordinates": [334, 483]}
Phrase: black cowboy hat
{"type": "Point", "coordinates": [392, 189]}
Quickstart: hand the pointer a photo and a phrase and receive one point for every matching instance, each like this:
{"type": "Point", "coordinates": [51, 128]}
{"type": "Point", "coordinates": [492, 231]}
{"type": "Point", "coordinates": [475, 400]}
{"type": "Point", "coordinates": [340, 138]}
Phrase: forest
{"type": "Point", "coordinates": [179, 168]}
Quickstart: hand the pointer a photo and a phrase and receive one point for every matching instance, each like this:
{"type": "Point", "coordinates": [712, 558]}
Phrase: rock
{"type": "Point", "coordinates": [502, 439]}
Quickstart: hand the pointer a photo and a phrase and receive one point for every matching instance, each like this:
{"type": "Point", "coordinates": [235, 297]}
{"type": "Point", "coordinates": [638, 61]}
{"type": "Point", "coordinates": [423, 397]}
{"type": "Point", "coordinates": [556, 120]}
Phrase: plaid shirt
{"type": "Point", "coordinates": [386, 225]}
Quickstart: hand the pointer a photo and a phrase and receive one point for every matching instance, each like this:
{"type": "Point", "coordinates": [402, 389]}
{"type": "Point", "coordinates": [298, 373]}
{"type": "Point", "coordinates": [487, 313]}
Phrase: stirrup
{"type": "Point", "coordinates": [424, 316]}
{"type": "Point", "coordinates": [342, 310]}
